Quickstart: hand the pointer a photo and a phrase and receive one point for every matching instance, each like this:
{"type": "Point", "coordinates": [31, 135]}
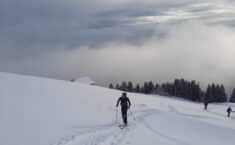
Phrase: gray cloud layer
{"type": "Point", "coordinates": [112, 41]}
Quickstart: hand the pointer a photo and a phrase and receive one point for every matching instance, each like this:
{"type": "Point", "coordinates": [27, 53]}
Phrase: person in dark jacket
{"type": "Point", "coordinates": [229, 110]}
{"type": "Point", "coordinates": [125, 105]}
{"type": "Point", "coordinates": [205, 104]}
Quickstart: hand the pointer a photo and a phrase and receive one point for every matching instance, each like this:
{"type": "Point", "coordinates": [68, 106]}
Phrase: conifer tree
{"type": "Point", "coordinates": [130, 86]}
{"type": "Point", "coordinates": [111, 86]}
{"type": "Point", "coordinates": [232, 99]}
{"type": "Point", "coordinates": [137, 88]}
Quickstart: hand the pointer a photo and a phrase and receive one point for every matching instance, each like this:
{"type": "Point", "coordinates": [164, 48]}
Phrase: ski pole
{"type": "Point", "coordinates": [132, 115]}
{"type": "Point", "coordinates": [116, 116]}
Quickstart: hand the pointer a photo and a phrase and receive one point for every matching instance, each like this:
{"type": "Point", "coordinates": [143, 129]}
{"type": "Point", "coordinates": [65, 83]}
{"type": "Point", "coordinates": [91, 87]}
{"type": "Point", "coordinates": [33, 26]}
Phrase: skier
{"type": "Point", "coordinates": [125, 105]}
{"type": "Point", "coordinates": [229, 110]}
{"type": "Point", "coordinates": [205, 104]}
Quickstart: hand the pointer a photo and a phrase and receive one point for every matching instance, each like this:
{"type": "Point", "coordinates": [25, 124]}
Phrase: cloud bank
{"type": "Point", "coordinates": [122, 40]}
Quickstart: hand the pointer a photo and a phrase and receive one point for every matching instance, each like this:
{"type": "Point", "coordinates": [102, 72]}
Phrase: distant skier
{"type": "Point", "coordinates": [125, 105]}
{"type": "Point", "coordinates": [205, 105]}
{"type": "Point", "coordinates": [229, 110]}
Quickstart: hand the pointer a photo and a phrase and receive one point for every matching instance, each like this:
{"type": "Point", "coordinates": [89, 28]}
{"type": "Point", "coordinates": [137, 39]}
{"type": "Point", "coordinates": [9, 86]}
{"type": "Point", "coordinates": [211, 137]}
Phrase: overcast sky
{"type": "Point", "coordinates": [111, 41]}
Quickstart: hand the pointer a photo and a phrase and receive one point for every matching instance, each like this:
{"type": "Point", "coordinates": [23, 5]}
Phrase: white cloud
{"type": "Point", "coordinates": [192, 50]}
{"type": "Point", "coordinates": [104, 39]}
{"type": "Point", "coordinates": [209, 12]}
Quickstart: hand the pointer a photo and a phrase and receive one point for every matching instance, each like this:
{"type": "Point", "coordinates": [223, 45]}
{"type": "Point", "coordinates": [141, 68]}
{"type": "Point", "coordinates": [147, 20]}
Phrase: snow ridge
{"type": "Point", "coordinates": [42, 111]}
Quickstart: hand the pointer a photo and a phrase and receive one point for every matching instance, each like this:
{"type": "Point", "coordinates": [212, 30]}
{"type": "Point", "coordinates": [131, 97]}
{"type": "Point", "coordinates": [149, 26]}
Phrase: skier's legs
{"type": "Point", "coordinates": [124, 115]}
{"type": "Point", "coordinates": [205, 106]}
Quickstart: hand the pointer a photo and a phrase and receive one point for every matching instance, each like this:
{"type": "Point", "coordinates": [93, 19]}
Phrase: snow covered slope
{"type": "Point", "coordinates": [85, 80]}
{"type": "Point", "coordinates": [38, 111]}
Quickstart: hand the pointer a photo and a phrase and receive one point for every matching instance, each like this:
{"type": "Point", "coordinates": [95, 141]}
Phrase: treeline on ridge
{"type": "Point", "coordinates": [182, 88]}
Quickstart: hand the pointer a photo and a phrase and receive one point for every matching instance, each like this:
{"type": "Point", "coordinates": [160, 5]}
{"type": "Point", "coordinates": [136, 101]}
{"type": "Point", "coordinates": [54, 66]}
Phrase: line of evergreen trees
{"type": "Point", "coordinates": [189, 90]}
{"type": "Point", "coordinates": [232, 99]}
{"type": "Point", "coordinates": [215, 93]}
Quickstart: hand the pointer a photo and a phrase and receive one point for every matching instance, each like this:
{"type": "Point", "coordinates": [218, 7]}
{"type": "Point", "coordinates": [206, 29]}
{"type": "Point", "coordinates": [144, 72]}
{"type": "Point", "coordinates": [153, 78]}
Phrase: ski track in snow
{"type": "Point", "coordinates": [109, 134]}
{"type": "Point", "coordinates": [172, 139]}
{"type": "Point", "coordinates": [173, 109]}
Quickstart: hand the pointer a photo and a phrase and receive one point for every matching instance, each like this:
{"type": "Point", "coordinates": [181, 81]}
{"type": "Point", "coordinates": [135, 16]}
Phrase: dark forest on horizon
{"type": "Point", "coordinates": [189, 90]}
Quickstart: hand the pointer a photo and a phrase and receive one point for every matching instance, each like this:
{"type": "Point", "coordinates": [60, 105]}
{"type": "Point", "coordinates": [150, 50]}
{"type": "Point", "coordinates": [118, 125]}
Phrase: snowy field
{"type": "Point", "coordinates": [39, 111]}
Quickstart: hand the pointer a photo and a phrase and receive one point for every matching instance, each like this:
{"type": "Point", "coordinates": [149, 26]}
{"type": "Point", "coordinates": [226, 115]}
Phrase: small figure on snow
{"type": "Point", "coordinates": [205, 104]}
{"type": "Point", "coordinates": [229, 110]}
{"type": "Point", "coordinates": [125, 105]}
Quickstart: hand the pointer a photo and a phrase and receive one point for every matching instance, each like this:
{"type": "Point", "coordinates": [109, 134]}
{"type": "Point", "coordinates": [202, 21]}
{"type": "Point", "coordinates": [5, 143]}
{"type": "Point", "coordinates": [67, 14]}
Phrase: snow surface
{"type": "Point", "coordinates": [85, 80]}
{"type": "Point", "coordinates": [39, 111]}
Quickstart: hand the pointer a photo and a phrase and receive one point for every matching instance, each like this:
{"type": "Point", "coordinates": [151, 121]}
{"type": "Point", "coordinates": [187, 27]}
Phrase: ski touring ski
{"type": "Point", "coordinates": [121, 126]}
